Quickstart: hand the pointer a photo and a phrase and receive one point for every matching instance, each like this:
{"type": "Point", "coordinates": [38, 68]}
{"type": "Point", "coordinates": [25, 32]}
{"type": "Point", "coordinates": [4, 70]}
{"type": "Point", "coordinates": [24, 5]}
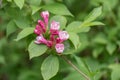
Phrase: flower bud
{"type": "Point", "coordinates": [37, 30]}
{"type": "Point", "coordinates": [54, 27]}
{"type": "Point", "coordinates": [63, 35]}
{"type": "Point", "coordinates": [45, 16]}
{"type": "Point", "coordinates": [59, 48]}
{"type": "Point", "coordinates": [42, 25]}
{"type": "Point", "coordinates": [49, 43]}
{"type": "Point", "coordinates": [40, 39]}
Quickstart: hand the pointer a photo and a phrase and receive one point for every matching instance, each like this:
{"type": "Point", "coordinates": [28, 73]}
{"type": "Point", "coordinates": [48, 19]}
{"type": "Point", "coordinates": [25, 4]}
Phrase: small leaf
{"type": "Point", "coordinates": [74, 27]}
{"type": "Point", "coordinates": [69, 47]}
{"type": "Point", "coordinates": [19, 3]}
{"type": "Point", "coordinates": [100, 39]}
{"type": "Point", "coordinates": [74, 38]}
{"type": "Point", "coordinates": [115, 71]}
{"type": "Point", "coordinates": [97, 51]}
{"type": "Point", "coordinates": [74, 76]}
{"type": "Point", "coordinates": [57, 8]}
{"type": "Point", "coordinates": [36, 50]}
{"type": "Point", "coordinates": [35, 9]}
{"type": "Point", "coordinates": [11, 27]}
{"type": "Point", "coordinates": [24, 33]}
{"type": "Point", "coordinates": [50, 67]}
{"type": "Point", "coordinates": [81, 65]}
{"type": "Point", "coordinates": [2, 59]}
{"type": "Point", "coordinates": [95, 23]}
{"type": "Point", "coordinates": [111, 48]}
{"type": "Point", "coordinates": [22, 22]}
{"type": "Point", "coordinates": [61, 19]}
{"type": "Point", "coordinates": [92, 24]}
{"type": "Point", "coordinates": [93, 15]}
{"type": "Point", "coordinates": [34, 2]}
{"type": "Point", "coordinates": [9, 0]}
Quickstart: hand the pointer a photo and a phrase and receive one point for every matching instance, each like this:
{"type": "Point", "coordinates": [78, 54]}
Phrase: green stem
{"type": "Point", "coordinates": [78, 70]}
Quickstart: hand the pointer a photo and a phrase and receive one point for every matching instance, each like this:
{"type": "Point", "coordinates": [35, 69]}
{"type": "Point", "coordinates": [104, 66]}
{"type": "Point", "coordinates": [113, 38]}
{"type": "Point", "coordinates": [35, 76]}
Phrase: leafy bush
{"type": "Point", "coordinates": [93, 46]}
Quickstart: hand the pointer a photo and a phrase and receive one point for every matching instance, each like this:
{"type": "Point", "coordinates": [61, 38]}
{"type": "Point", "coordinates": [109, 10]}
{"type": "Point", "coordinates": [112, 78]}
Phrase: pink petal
{"type": "Point", "coordinates": [49, 44]}
{"type": "Point", "coordinates": [63, 35]}
{"type": "Point", "coordinates": [37, 30]}
{"type": "Point", "coordinates": [37, 42]}
{"type": "Point", "coordinates": [59, 48]}
{"type": "Point", "coordinates": [45, 16]}
{"type": "Point", "coordinates": [42, 25]}
{"type": "Point", "coordinates": [40, 39]}
{"type": "Point", "coordinates": [54, 25]}
{"type": "Point", "coordinates": [58, 40]}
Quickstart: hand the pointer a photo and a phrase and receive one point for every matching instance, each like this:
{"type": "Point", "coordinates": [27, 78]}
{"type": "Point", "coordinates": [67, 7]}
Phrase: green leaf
{"type": "Point", "coordinates": [95, 23]}
{"type": "Point", "coordinates": [109, 4]}
{"type": "Point", "coordinates": [74, 38]}
{"type": "Point", "coordinates": [81, 65]}
{"type": "Point", "coordinates": [111, 47]}
{"type": "Point", "coordinates": [57, 8]}
{"type": "Point", "coordinates": [93, 15]}
{"type": "Point", "coordinates": [34, 2]}
{"type": "Point", "coordinates": [2, 59]}
{"type": "Point", "coordinates": [97, 51]}
{"type": "Point", "coordinates": [19, 3]}
{"type": "Point", "coordinates": [27, 74]}
{"type": "Point", "coordinates": [74, 76]}
{"type": "Point", "coordinates": [35, 9]}
{"type": "Point", "coordinates": [115, 71]}
{"type": "Point", "coordinates": [22, 22]}
{"type": "Point", "coordinates": [61, 19]}
{"type": "Point", "coordinates": [11, 27]}
{"type": "Point", "coordinates": [50, 67]}
{"type": "Point", "coordinates": [100, 38]}
{"type": "Point", "coordinates": [24, 33]}
{"type": "Point", "coordinates": [9, 0]}
{"type": "Point", "coordinates": [69, 47]}
{"type": "Point", "coordinates": [74, 27]}
{"type": "Point", "coordinates": [36, 50]}
{"type": "Point", "coordinates": [93, 66]}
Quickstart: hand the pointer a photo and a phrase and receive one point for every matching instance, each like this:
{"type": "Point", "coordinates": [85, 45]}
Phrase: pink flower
{"type": "Point", "coordinates": [54, 27]}
{"type": "Point", "coordinates": [49, 44]}
{"type": "Point", "coordinates": [37, 30]}
{"type": "Point", "coordinates": [55, 37]}
{"type": "Point", "coordinates": [59, 48]}
{"type": "Point", "coordinates": [52, 37]}
{"type": "Point", "coordinates": [63, 35]}
{"type": "Point", "coordinates": [58, 40]}
{"type": "Point", "coordinates": [42, 25]}
{"type": "Point", "coordinates": [40, 39]}
{"type": "Point", "coordinates": [45, 16]}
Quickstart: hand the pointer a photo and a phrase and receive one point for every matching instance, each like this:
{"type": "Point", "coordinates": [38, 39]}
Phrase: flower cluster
{"type": "Point", "coordinates": [56, 36]}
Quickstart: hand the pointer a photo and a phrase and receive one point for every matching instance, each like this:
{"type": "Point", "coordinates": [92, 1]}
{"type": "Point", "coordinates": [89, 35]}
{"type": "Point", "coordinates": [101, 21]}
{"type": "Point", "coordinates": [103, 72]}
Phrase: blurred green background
{"type": "Point", "coordinates": [100, 47]}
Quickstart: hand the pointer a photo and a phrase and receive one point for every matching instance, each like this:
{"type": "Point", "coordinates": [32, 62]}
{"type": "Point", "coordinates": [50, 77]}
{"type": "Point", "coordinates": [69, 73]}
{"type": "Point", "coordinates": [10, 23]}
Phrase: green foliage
{"type": "Point", "coordinates": [73, 27]}
{"type": "Point", "coordinates": [93, 15]}
{"type": "Point", "coordinates": [94, 50]}
{"type": "Point", "coordinates": [36, 50]}
{"type": "Point", "coordinates": [48, 70]}
{"type": "Point", "coordinates": [11, 27]}
{"type": "Point", "coordinates": [19, 3]}
{"type": "Point", "coordinates": [57, 8]}
{"type": "Point", "coordinates": [115, 71]}
{"type": "Point", "coordinates": [24, 33]}
{"type": "Point", "coordinates": [111, 48]}
{"type": "Point", "coordinates": [75, 40]}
